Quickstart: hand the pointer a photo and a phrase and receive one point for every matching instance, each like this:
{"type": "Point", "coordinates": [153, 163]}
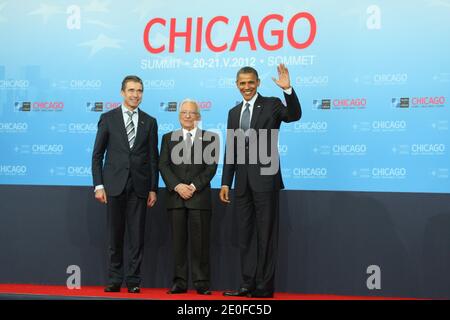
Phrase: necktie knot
{"type": "Point", "coordinates": [189, 139]}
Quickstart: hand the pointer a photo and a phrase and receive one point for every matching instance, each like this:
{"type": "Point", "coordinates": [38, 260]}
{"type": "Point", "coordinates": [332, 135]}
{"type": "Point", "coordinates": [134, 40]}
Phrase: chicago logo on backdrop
{"type": "Point", "coordinates": [382, 79]}
{"type": "Point", "coordinates": [71, 171]}
{"type": "Point", "coordinates": [159, 84]}
{"type": "Point", "coordinates": [46, 106]}
{"type": "Point", "coordinates": [13, 84]}
{"type": "Point", "coordinates": [99, 106]}
{"type": "Point", "coordinates": [341, 150]}
{"type": "Point", "coordinates": [420, 149]}
{"type": "Point", "coordinates": [310, 173]}
{"type": "Point", "coordinates": [77, 84]}
{"type": "Point", "coordinates": [245, 32]}
{"type": "Point", "coordinates": [312, 81]}
{"type": "Point", "coordinates": [39, 149]}
{"type": "Point", "coordinates": [419, 102]}
{"type": "Point", "coordinates": [307, 127]}
{"type": "Point", "coordinates": [75, 127]}
{"type": "Point", "coordinates": [341, 103]}
{"type": "Point", "coordinates": [13, 127]}
{"type": "Point", "coordinates": [168, 106]}
{"type": "Point", "coordinates": [172, 106]}
{"type": "Point", "coordinates": [379, 126]}
{"type": "Point", "coordinates": [392, 173]}
{"type": "Point", "coordinates": [205, 105]}
{"type": "Point", "coordinates": [13, 170]}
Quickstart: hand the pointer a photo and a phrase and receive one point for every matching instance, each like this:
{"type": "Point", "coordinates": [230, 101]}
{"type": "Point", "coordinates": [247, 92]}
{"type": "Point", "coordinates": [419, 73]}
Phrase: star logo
{"type": "Point", "coordinates": [97, 6]}
{"type": "Point", "coordinates": [101, 43]}
{"type": "Point", "coordinates": [46, 11]}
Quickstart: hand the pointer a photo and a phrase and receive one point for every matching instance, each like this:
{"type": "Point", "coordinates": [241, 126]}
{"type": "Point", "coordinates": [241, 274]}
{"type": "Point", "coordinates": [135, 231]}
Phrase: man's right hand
{"type": "Point", "coordinates": [185, 191]}
{"type": "Point", "coordinates": [100, 195]}
{"type": "Point", "coordinates": [223, 195]}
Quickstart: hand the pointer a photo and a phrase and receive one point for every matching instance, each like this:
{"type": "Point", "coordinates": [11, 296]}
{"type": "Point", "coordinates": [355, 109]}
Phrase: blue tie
{"type": "Point", "coordinates": [245, 120]}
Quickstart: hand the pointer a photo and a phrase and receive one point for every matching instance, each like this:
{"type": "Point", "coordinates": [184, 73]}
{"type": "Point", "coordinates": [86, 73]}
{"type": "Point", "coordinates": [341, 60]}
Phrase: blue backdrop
{"type": "Point", "coordinates": [373, 78]}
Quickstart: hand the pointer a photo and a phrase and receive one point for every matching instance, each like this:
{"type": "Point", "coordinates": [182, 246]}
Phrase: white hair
{"type": "Point", "coordinates": [187, 100]}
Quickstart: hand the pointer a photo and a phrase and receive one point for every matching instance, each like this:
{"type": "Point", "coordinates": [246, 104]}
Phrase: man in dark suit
{"type": "Point", "coordinates": [127, 181]}
{"type": "Point", "coordinates": [257, 182]}
{"type": "Point", "coordinates": [188, 162]}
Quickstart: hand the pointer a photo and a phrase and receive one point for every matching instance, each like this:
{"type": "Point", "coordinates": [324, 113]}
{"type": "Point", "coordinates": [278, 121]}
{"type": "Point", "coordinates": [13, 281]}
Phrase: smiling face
{"type": "Point", "coordinates": [132, 95]}
{"type": "Point", "coordinates": [247, 83]}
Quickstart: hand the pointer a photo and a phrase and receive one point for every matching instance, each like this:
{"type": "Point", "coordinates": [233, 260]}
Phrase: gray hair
{"type": "Point", "coordinates": [187, 100]}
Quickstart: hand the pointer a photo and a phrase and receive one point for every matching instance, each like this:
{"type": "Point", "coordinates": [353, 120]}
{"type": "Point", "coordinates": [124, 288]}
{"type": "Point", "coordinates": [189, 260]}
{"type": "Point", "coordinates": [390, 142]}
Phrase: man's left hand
{"type": "Point", "coordinates": [151, 200]}
{"type": "Point", "coordinates": [283, 80]}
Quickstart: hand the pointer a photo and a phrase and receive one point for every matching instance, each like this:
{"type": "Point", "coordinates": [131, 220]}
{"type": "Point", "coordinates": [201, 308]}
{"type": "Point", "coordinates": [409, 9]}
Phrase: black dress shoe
{"type": "Point", "coordinates": [260, 294]}
{"type": "Point", "coordinates": [203, 291]}
{"type": "Point", "coordinates": [112, 288]}
{"type": "Point", "coordinates": [176, 290]}
{"type": "Point", "coordinates": [242, 292]}
{"type": "Point", "coordinates": [134, 290]}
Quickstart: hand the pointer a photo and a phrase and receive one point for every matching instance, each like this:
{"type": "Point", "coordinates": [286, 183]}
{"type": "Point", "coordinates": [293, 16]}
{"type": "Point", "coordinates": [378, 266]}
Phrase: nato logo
{"type": "Point", "coordinates": [169, 106]}
{"type": "Point", "coordinates": [22, 106]}
{"type": "Point", "coordinates": [400, 102]}
{"type": "Point", "coordinates": [94, 106]}
{"type": "Point", "coordinates": [322, 104]}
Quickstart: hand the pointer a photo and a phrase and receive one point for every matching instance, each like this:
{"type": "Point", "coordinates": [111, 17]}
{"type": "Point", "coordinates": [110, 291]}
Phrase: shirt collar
{"type": "Point", "coordinates": [125, 110]}
{"type": "Point", "coordinates": [193, 132]}
{"type": "Point", "coordinates": [251, 101]}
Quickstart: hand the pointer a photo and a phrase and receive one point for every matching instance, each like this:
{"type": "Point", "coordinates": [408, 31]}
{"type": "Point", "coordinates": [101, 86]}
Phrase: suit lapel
{"type": "Point", "coordinates": [139, 129]}
{"type": "Point", "coordinates": [118, 118]}
{"type": "Point", "coordinates": [177, 133]}
{"type": "Point", "coordinates": [235, 117]}
{"type": "Point", "coordinates": [256, 111]}
{"type": "Point", "coordinates": [198, 137]}
{"type": "Point", "coordinates": [173, 143]}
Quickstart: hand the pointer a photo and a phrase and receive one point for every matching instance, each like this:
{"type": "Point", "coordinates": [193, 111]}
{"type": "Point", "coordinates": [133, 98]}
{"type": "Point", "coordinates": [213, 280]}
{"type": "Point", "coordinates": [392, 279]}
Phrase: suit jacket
{"type": "Point", "coordinates": [141, 161]}
{"type": "Point", "coordinates": [268, 113]}
{"type": "Point", "coordinates": [199, 172]}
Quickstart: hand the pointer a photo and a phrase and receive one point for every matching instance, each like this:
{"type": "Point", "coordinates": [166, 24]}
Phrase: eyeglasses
{"type": "Point", "coordinates": [188, 113]}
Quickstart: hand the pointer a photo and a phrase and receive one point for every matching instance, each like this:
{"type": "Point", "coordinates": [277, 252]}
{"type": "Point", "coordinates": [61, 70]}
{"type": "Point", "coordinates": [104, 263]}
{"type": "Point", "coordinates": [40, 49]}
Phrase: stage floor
{"type": "Point", "coordinates": [43, 292]}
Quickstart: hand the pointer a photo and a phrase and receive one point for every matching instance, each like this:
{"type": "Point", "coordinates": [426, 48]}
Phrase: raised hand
{"type": "Point", "coordinates": [283, 80]}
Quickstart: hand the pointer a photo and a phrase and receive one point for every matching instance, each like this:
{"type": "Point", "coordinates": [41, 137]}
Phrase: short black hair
{"type": "Point", "coordinates": [247, 70]}
{"type": "Point", "coordinates": [131, 78]}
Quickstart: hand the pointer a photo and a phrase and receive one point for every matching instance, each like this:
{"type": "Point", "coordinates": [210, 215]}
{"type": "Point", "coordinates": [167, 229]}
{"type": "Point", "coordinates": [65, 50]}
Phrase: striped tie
{"type": "Point", "coordinates": [131, 132]}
